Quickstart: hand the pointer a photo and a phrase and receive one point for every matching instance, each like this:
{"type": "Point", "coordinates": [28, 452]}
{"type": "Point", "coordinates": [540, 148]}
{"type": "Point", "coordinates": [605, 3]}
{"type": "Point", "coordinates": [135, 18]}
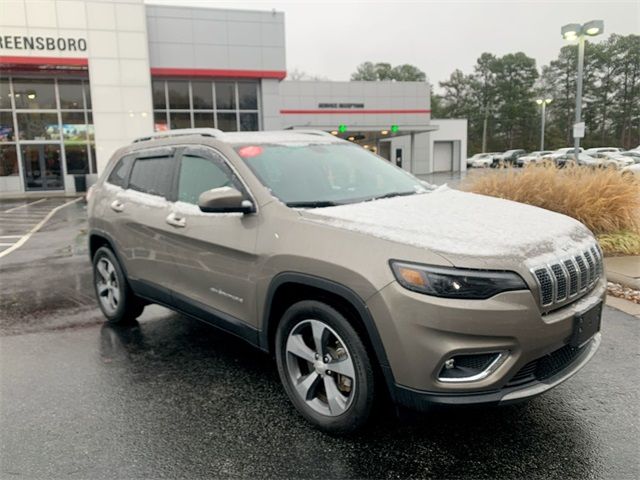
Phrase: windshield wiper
{"type": "Point", "coordinates": [393, 194]}
{"type": "Point", "coordinates": [313, 204]}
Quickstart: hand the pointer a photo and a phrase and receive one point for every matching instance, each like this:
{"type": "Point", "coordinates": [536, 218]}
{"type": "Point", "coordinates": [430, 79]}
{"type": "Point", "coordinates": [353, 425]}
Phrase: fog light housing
{"type": "Point", "coordinates": [471, 367]}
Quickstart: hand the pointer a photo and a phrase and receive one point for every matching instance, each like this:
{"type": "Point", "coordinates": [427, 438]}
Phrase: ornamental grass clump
{"type": "Point", "coordinates": [605, 200]}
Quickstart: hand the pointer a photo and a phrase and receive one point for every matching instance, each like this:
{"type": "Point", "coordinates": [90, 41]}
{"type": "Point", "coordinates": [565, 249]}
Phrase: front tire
{"type": "Point", "coordinates": [115, 297]}
{"type": "Point", "coordinates": [324, 367]}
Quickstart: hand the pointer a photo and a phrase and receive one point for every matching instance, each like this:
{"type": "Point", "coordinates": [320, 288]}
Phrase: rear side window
{"type": "Point", "coordinates": [152, 175]}
{"type": "Point", "coordinates": [199, 174]}
{"type": "Point", "coordinates": [119, 173]}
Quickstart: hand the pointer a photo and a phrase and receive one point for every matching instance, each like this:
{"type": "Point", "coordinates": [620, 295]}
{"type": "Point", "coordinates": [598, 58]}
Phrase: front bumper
{"type": "Point", "coordinates": [421, 400]}
{"type": "Point", "coordinates": [420, 333]}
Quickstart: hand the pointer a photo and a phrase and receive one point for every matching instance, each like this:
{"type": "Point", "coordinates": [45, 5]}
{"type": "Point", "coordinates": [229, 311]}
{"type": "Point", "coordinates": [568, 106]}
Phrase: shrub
{"type": "Point", "coordinates": [620, 243]}
{"type": "Point", "coordinates": [606, 201]}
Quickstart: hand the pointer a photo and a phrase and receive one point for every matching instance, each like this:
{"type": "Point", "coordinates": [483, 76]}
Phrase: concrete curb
{"type": "Point", "coordinates": [624, 305]}
{"type": "Point", "coordinates": [623, 280]}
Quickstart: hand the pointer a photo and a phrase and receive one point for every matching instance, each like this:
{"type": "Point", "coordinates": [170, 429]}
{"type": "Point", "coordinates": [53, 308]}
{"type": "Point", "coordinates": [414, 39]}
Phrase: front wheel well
{"type": "Point", "coordinates": [290, 293]}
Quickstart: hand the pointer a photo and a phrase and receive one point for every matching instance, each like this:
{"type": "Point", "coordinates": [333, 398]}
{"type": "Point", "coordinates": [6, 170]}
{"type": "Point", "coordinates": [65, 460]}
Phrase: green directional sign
{"type": "Point", "coordinates": [342, 128]}
{"type": "Point", "coordinates": [394, 129]}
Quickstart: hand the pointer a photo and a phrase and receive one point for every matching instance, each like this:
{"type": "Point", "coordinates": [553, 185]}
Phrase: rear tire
{"type": "Point", "coordinates": [115, 297]}
{"type": "Point", "coordinates": [324, 367]}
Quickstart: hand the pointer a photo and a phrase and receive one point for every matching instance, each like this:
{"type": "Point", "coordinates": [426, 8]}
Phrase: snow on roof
{"type": "Point", "coordinates": [303, 137]}
{"type": "Point", "coordinates": [450, 221]}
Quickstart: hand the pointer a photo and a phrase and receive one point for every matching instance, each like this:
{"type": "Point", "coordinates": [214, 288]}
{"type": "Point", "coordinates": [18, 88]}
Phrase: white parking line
{"type": "Point", "coordinates": [26, 237]}
{"type": "Point", "coordinates": [3, 237]}
{"type": "Point", "coordinates": [25, 205]}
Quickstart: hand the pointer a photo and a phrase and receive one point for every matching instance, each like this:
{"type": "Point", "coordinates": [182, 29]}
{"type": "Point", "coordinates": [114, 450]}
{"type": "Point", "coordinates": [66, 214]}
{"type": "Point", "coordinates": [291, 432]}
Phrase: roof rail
{"type": "Point", "coordinates": [312, 132]}
{"type": "Point", "coordinates": [205, 132]}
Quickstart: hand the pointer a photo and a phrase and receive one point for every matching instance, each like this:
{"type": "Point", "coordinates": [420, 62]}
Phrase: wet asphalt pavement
{"type": "Point", "coordinates": [172, 397]}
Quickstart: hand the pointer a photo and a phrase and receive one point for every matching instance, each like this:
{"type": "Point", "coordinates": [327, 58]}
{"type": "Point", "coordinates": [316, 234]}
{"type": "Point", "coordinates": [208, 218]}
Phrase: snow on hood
{"type": "Point", "coordinates": [452, 222]}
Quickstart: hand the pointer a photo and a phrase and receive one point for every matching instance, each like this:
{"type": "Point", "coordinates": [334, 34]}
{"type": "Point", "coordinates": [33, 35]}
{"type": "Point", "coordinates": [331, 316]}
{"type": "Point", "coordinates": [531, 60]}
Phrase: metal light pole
{"type": "Point", "coordinates": [571, 32]}
{"type": "Point", "coordinates": [544, 104]}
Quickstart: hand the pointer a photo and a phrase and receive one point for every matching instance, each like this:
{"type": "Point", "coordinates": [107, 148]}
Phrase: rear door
{"type": "Point", "coordinates": [145, 206]}
{"type": "Point", "coordinates": [214, 252]}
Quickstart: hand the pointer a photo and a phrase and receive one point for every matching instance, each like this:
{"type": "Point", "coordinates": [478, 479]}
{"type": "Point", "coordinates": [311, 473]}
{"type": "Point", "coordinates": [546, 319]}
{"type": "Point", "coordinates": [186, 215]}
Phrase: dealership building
{"type": "Point", "coordinates": [81, 78]}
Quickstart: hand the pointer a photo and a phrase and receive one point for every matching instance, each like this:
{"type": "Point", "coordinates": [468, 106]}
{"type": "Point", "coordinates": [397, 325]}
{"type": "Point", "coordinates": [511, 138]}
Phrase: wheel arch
{"type": "Point", "coordinates": [288, 288]}
{"type": "Point", "coordinates": [99, 238]}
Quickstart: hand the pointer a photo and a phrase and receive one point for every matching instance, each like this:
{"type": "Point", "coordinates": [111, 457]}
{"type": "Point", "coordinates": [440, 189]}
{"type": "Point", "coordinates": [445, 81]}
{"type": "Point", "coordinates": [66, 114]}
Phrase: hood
{"type": "Point", "coordinates": [451, 222]}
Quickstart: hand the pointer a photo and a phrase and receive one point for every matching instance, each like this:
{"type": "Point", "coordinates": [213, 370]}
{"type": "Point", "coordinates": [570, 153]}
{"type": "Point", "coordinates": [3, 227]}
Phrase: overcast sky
{"type": "Point", "coordinates": [331, 37]}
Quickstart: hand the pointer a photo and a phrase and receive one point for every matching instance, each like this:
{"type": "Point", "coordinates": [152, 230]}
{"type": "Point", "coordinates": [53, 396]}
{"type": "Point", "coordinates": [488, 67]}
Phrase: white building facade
{"type": "Point", "coordinates": [81, 78]}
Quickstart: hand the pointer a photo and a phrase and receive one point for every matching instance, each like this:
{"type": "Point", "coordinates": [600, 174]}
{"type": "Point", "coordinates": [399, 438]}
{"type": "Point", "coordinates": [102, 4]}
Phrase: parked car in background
{"type": "Point", "coordinates": [533, 157]}
{"type": "Point", "coordinates": [583, 160]}
{"type": "Point", "coordinates": [560, 152]}
{"type": "Point", "coordinates": [615, 160]}
{"type": "Point", "coordinates": [635, 154]}
{"type": "Point", "coordinates": [595, 151]}
{"type": "Point", "coordinates": [509, 157]}
{"type": "Point", "coordinates": [482, 160]}
{"type": "Point", "coordinates": [632, 170]}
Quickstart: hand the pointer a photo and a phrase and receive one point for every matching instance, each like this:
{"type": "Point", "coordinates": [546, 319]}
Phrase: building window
{"type": "Point", "coordinates": [71, 94]}
{"type": "Point", "coordinates": [38, 126]}
{"type": "Point", "coordinates": [34, 94]}
{"type": "Point", "coordinates": [225, 104]}
{"type": "Point", "coordinates": [7, 130]}
{"type": "Point", "coordinates": [46, 130]}
{"type": "Point", "coordinates": [8, 161]}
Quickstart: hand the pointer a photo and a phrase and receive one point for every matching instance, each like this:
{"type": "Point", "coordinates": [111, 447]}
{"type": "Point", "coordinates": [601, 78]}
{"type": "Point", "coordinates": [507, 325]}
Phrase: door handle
{"type": "Point", "coordinates": [175, 221]}
{"type": "Point", "coordinates": [117, 206]}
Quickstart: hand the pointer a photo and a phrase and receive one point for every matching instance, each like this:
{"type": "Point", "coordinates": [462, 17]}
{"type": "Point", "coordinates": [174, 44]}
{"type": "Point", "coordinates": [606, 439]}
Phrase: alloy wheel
{"type": "Point", "coordinates": [320, 367]}
{"type": "Point", "coordinates": [107, 285]}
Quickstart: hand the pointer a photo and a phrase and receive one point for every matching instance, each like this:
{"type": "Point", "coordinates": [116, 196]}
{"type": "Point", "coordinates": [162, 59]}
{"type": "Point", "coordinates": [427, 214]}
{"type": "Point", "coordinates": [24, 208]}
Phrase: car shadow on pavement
{"type": "Point", "coordinates": [225, 397]}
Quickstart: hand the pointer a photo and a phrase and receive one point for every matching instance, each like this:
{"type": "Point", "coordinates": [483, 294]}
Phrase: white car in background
{"type": "Point", "coordinates": [615, 160]}
{"type": "Point", "coordinates": [560, 152]}
{"type": "Point", "coordinates": [583, 160]}
{"type": "Point", "coordinates": [481, 160]}
{"type": "Point", "coordinates": [533, 157]}
{"type": "Point", "coordinates": [635, 154]}
{"type": "Point", "coordinates": [595, 151]}
{"type": "Point", "coordinates": [632, 169]}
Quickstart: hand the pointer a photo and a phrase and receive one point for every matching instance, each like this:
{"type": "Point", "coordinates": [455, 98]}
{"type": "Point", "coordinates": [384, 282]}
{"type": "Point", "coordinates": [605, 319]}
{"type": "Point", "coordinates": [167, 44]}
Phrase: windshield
{"type": "Point", "coordinates": [321, 175]}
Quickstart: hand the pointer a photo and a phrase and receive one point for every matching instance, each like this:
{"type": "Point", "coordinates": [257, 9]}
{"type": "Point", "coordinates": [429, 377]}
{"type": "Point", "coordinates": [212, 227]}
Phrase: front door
{"type": "Point", "coordinates": [214, 252]}
{"type": "Point", "coordinates": [42, 167]}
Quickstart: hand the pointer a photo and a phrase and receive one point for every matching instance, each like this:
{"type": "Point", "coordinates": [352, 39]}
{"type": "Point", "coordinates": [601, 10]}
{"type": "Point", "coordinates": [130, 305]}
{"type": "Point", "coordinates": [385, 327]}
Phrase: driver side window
{"type": "Point", "coordinates": [199, 174]}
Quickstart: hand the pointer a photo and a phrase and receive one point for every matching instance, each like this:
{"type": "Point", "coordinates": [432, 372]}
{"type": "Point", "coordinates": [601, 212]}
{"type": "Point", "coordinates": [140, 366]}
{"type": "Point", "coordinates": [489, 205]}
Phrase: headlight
{"type": "Point", "coordinates": [454, 282]}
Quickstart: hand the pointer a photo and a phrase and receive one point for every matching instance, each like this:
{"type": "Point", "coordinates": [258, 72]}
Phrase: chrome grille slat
{"type": "Point", "coordinates": [561, 282]}
{"type": "Point", "coordinates": [583, 272]}
{"type": "Point", "coordinates": [592, 267]}
{"type": "Point", "coordinates": [569, 277]}
{"type": "Point", "coordinates": [546, 288]}
{"type": "Point", "coordinates": [572, 270]}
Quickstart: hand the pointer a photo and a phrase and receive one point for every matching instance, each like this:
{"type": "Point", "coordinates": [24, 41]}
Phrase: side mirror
{"type": "Point", "coordinates": [224, 200]}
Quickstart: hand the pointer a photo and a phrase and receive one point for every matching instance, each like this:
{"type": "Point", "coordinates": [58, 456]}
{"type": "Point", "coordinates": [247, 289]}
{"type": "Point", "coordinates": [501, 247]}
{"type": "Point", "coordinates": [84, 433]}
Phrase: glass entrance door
{"type": "Point", "coordinates": [42, 167]}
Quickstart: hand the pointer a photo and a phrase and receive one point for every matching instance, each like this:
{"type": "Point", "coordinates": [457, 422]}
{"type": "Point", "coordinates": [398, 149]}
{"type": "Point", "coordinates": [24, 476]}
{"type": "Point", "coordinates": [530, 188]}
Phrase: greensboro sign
{"type": "Point", "coordinates": [62, 44]}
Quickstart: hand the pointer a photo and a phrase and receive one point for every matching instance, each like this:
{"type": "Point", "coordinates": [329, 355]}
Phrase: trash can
{"type": "Point", "coordinates": [81, 183]}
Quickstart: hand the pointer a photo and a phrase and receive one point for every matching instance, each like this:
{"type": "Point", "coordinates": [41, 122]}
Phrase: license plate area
{"type": "Point", "coordinates": [586, 325]}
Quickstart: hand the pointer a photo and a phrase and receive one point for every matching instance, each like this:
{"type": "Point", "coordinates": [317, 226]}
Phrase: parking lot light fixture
{"type": "Point", "coordinates": [593, 28]}
{"type": "Point", "coordinates": [570, 32]}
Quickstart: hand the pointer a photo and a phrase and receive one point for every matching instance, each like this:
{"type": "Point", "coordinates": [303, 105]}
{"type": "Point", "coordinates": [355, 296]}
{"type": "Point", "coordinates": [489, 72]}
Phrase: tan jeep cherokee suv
{"type": "Point", "coordinates": [358, 277]}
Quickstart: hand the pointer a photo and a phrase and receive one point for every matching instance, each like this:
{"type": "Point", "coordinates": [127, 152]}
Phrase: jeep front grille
{"type": "Point", "coordinates": [569, 277]}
